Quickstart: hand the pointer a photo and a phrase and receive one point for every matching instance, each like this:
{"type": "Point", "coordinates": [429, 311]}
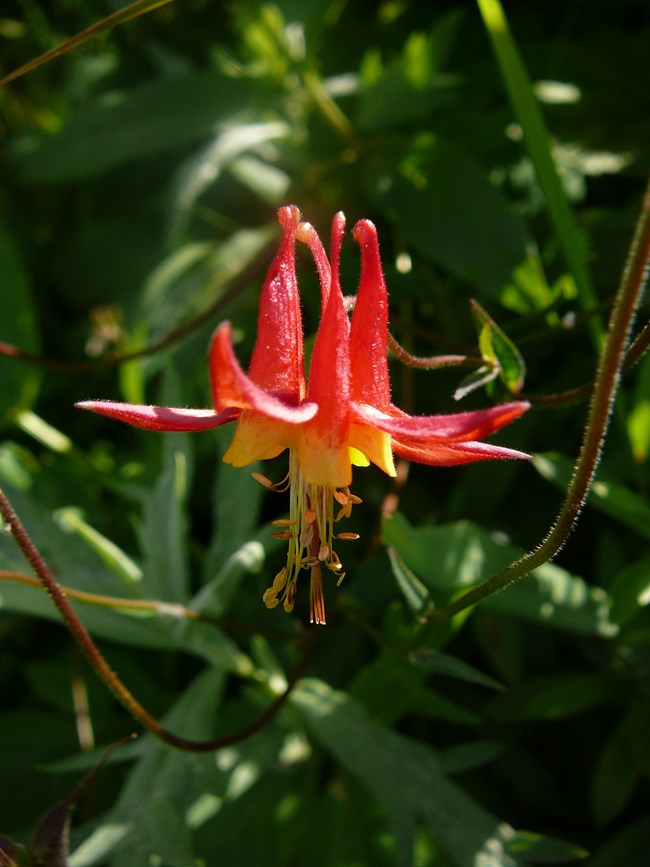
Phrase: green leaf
{"type": "Point", "coordinates": [82, 568]}
{"type": "Point", "coordinates": [443, 663]}
{"type": "Point", "coordinates": [236, 505]}
{"type": "Point", "coordinates": [163, 530]}
{"type": "Point", "coordinates": [458, 556]}
{"type": "Point", "coordinates": [607, 496]}
{"type": "Point", "coordinates": [498, 350]}
{"type": "Point", "coordinates": [411, 85]}
{"type": "Point", "coordinates": [465, 757]}
{"type": "Point", "coordinates": [449, 211]}
{"type": "Point", "coordinates": [538, 143]}
{"type": "Point", "coordinates": [544, 850]}
{"type": "Point", "coordinates": [629, 846]}
{"type": "Point", "coordinates": [630, 590]}
{"type": "Point", "coordinates": [528, 291]}
{"type": "Point", "coordinates": [616, 773]}
{"type": "Point", "coordinates": [404, 776]}
{"type": "Point", "coordinates": [390, 675]}
{"type": "Point", "coordinates": [557, 696]}
{"type": "Point", "coordinates": [416, 594]}
{"type": "Point", "coordinates": [203, 170]}
{"type": "Point", "coordinates": [140, 123]}
{"type": "Point", "coordinates": [150, 813]}
{"type": "Point", "coordinates": [71, 520]}
{"type": "Point", "coordinates": [638, 423]}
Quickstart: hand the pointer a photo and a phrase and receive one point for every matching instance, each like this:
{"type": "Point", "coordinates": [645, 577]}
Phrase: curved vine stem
{"type": "Point", "coordinates": [106, 673]}
{"type": "Point", "coordinates": [431, 362]}
{"type": "Point", "coordinates": [612, 358]}
{"type": "Point", "coordinates": [115, 359]}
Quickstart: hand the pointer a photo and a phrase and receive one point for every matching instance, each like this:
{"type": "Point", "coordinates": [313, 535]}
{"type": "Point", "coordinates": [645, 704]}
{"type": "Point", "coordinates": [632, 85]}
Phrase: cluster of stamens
{"type": "Point", "coordinates": [309, 530]}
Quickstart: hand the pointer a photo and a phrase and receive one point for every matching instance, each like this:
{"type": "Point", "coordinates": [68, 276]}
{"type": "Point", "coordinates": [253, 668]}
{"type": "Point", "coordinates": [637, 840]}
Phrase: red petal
{"type": "Point", "coordinates": [308, 235]}
{"type": "Point", "coordinates": [368, 333]}
{"type": "Point", "coordinates": [231, 387]}
{"type": "Point", "coordinates": [454, 428]}
{"type": "Point", "coordinates": [277, 361]}
{"type": "Point", "coordinates": [329, 374]}
{"type": "Point", "coordinates": [160, 418]}
{"type": "Point", "coordinates": [323, 448]}
{"type": "Point", "coordinates": [448, 455]}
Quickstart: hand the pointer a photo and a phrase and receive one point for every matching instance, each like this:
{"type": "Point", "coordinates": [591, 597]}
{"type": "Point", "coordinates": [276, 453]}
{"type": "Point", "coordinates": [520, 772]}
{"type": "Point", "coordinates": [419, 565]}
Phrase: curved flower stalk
{"type": "Point", "coordinates": [341, 416]}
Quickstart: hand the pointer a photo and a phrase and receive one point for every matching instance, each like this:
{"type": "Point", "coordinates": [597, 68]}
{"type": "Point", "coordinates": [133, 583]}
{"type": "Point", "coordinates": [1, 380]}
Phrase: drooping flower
{"type": "Point", "coordinates": [342, 416]}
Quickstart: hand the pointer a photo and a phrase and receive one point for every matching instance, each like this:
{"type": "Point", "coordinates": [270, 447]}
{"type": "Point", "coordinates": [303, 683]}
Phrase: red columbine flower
{"type": "Point", "coordinates": [344, 416]}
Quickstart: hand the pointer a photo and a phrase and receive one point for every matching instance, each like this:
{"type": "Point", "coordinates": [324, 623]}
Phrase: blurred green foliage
{"type": "Point", "coordinates": [141, 174]}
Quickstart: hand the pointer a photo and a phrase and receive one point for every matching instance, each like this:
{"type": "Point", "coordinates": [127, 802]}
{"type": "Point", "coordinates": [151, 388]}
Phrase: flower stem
{"type": "Point", "coordinates": [431, 362]}
{"type": "Point", "coordinates": [110, 678]}
{"type": "Point", "coordinates": [627, 300]}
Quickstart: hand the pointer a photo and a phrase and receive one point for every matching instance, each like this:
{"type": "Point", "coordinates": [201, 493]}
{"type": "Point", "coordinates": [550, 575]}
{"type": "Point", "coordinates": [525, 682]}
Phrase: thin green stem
{"type": "Point", "coordinates": [106, 673]}
{"type": "Point", "coordinates": [538, 144]}
{"type": "Point", "coordinates": [140, 7]}
{"type": "Point", "coordinates": [627, 300]}
{"type": "Point", "coordinates": [328, 108]}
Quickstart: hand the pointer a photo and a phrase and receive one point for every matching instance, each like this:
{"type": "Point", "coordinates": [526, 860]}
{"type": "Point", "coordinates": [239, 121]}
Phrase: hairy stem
{"type": "Point", "coordinates": [431, 362]}
{"type": "Point", "coordinates": [627, 300]}
{"type": "Point", "coordinates": [106, 673]}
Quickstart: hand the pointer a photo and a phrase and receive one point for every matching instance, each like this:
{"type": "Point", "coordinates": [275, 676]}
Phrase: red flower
{"type": "Point", "coordinates": [344, 416]}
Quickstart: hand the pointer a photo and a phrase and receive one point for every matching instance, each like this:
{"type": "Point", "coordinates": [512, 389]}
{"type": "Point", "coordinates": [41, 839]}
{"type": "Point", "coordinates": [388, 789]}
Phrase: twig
{"type": "Point", "coordinates": [105, 672]}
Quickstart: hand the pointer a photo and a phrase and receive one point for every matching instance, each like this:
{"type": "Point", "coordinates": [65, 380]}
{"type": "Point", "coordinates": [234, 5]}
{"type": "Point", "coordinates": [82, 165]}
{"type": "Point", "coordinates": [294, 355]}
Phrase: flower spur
{"type": "Point", "coordinates": [341, 416]}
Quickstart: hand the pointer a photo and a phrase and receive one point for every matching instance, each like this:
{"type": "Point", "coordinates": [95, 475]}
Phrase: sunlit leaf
{"type": "Point", "coordinates": [498, 350]}
{"type": "Point", "coordinates": [458, 556]}
{"type": "Point", "coordinates": [609, 497]}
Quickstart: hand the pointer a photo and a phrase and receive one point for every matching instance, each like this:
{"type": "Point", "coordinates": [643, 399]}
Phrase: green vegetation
{"type": "Point", "coordinates": [504, 164]}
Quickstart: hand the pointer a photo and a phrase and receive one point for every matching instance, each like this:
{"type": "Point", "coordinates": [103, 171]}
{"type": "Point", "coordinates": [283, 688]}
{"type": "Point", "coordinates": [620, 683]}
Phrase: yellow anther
{"type": "Point", "coordinates": [280, 579]}
{"type": "Point", "coordinates": [263, 480]}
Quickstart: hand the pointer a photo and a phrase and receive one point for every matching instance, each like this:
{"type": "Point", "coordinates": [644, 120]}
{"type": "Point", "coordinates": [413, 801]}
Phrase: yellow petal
{"type": "Point", "coordinates": [257, 439]}
{"type": "Point", "coordinates": [373, 444]}
{"type": "Point", "coordinates": [358, 458]}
